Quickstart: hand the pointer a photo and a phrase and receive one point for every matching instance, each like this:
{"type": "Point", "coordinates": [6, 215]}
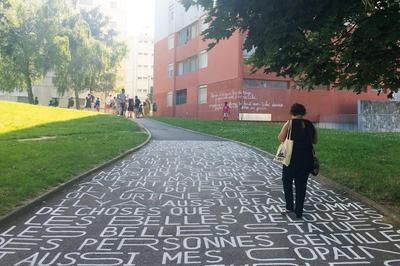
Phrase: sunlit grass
{"type": "Point", "coordinates": [80, 140]}
{"type": "Point", "coordinates": [16, 116]}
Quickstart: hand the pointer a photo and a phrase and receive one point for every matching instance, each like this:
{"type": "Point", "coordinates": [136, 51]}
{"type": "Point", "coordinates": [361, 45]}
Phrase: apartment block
{"type": "Point", "coordinates": [193, 82]}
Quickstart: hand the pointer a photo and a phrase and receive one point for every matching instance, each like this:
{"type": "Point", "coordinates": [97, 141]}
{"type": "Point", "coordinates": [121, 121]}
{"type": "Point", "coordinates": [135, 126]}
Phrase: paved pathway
{"type": "Point", "coordinates": [186, 199]}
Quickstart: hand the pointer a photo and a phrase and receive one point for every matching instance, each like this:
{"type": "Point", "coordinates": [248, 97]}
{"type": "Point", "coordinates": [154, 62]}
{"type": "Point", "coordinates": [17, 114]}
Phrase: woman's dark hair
{"type": "Point", "coordinates": [297, 109]}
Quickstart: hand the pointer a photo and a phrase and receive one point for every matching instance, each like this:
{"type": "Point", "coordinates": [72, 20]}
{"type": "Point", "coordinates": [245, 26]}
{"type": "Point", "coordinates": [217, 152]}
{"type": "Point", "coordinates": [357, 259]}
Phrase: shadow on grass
{"type": "Point", "coordinates": [30, 167]}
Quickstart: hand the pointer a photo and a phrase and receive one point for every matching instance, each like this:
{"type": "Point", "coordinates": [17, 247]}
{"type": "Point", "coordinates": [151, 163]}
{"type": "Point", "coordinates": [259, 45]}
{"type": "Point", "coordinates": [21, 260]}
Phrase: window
{"type": "Point", "coordinates": [202, 99]}
{"type": "Point", "coordinates": [193, 31]}
{"type": "Point", "coordinates": [203, 59]}
{"type": "Point", "coordinates": [180, 68]}
{"type": "Point", "coordinates": [182, 37]}
{"type": "Point", "coordinates": [169, 99]}
{"type": "Point", "coordinates": [193, 64]}
{"type": "Point", "coordinates": [268, 84]}
{"type": "Point", "coordinates": [170, 71]}
{"type": "Point", "coordinates": [181, 96]}
{"type": "Point", "coordinates": [171, 42]}
{"type": "Point", "coordinates": [188, 65]}
{"type": "Point", "coordinates": [187, 34]}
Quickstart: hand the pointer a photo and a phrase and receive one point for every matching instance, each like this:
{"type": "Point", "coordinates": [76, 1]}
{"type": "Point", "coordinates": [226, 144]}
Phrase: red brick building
{"type": "Point", "coordinates": [193, 83]}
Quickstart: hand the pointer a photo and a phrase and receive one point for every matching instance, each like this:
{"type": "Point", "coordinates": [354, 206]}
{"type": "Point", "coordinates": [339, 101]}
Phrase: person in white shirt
{"type": "Point", "coordinates": [109, 100]}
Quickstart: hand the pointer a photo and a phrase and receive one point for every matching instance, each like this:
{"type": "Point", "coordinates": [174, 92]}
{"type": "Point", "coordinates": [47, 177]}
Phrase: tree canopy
{"type": "Point", "coordinates": [349, 44]}
{"type": "Point", "coordinates": [39, 36]}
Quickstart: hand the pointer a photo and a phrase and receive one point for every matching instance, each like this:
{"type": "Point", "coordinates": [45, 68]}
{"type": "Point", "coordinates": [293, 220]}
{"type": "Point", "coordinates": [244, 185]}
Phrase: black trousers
{"type": "Point", "coordinates": [122, 108]}
{"type": "Point", "coordinates": [300, 183]}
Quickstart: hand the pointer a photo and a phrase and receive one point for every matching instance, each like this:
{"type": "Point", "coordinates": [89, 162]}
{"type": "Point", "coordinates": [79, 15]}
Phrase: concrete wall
{"type": "Point", "coordinates": [378, 116]}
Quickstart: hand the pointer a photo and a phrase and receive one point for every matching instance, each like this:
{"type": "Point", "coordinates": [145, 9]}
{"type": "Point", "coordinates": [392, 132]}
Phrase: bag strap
{"type": "Point", "coordinates": [289, 133]}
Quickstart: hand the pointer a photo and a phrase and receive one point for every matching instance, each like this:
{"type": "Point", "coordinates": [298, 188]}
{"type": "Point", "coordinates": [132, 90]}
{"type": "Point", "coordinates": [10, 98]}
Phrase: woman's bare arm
{"type": "Point", "coordinates": [282, 135]}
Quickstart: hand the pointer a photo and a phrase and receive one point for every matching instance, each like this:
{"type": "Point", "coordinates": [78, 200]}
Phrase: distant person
{"type": "Point", "coordinates": [56, 102]}
{"type": "Point", "coordinates": [154, 108]}
{"type": "Point", "coordinates": [108, 105]}
{"type": "Point", "coordinates": [121, 100]}
{"type": "Point", "coordinates": [226, 110]}
{"type": "Point", "coordinates": [88, 101]}
{"type": "Point", "coordinates": [70, 102]}
{"type": "Point", "coordinates": [130, 107]}
{"type": "Point", "coordinates": [140, 111]}
{"type": "Point", "coordinates": [304, 135]}
{"type": "Point", "coordinates": [36, 101]}
{"type": "Point", "coordinates": [51, 102]}
{"type": "Point", "coordinates": [91, 98]}
{"type": "Point", "coordinates": [146, 108]}
{"type": "Point", "coordinates": [136, 106]}
{"type": "Point", "coordinates": [97, 104]}
{"type": "Point", "coordinates": [115, 106]}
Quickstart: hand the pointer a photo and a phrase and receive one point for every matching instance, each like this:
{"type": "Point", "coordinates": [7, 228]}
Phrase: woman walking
{"type": "Point", "coordinates": [304, 135]}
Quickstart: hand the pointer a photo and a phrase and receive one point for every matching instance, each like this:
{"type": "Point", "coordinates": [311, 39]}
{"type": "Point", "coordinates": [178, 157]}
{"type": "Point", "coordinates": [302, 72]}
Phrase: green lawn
{"type": "Point", "coordinates": [82, 141]}
{"type": "Point", "coordinates": [364, 162]}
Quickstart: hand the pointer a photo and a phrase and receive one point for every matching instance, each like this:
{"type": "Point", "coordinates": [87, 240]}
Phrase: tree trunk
{"type": "Point", "coordinates": [77, 103]}
{"type": "Point", "coordinates": [30, 90]}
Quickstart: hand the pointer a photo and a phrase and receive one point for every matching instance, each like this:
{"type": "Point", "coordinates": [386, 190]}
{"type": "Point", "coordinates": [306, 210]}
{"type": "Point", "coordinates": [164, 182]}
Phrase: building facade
{"type": "Point", "coordinates": [191, 82]}
{"type": "Point", "coordinates": [139, 65]}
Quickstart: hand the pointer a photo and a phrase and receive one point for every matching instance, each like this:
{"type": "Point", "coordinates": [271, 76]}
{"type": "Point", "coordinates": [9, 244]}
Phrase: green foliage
{"type": "Point", "coordinates": [348, 43]}
{"type": "Point", "coordinates": [39, 36]}
{"type": "Point", "coordinates": [30, 46]}
{"type": "Point", "coordinates": [101, 31]}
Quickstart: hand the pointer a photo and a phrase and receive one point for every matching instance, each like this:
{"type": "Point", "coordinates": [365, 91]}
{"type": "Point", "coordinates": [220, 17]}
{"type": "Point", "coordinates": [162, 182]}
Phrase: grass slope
{"type": "Point", "coordinates": [364, 162]}
{"type": "Point", "coordinates": [82, 140]}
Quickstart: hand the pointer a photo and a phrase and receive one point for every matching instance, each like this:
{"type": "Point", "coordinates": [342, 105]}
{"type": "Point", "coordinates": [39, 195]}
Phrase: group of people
{"type": "Point", "coordinates": [92, 102]}
{"type": "Point", "coordinates": [123, 105]}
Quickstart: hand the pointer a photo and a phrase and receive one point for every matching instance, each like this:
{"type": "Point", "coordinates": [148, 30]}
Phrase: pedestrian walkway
{"type": "Point", "coordinates": [189, 199]}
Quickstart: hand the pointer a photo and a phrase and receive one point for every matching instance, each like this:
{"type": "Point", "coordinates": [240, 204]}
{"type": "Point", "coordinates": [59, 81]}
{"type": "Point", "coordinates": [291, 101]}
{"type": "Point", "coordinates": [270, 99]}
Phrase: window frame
{"type": "Point", "coordinates": [266, 84]}
{"type": "Point", "coordinates": [203, 59]}
{"type": "Point", "coordinates": [201, 98]}
{"type": "Point", "coordinates": [170, 99]}
{"type": "Point", "coordinates": [181, 97]}
{"type": "Point", "coordinates": [170, 71]}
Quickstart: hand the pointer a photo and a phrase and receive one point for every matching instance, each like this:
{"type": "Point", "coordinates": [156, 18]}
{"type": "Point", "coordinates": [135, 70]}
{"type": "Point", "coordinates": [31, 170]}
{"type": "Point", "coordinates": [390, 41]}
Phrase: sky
{"type": "Point", "coordinates": [141, 14]}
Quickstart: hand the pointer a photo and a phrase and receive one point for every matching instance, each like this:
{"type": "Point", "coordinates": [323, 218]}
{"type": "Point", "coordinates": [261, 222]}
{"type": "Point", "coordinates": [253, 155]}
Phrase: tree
{"type": "Point", "coordinates": [347, 43]}
{"type": "Point", "coordinates": [30, 44]}
{"type": "Point", "coordinates": [100, 29]}
{"type": "Point", "coordinates": [77, 71]}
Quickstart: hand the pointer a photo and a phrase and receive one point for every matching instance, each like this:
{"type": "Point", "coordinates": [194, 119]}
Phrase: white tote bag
{"type": "Point", "coordinates": [284, 153]}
